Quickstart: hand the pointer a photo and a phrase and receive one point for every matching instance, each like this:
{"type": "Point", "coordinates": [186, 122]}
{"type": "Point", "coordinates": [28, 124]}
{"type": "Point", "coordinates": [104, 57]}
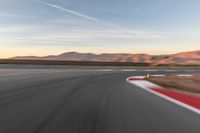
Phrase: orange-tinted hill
{"type": "Point", "coordinates": [184, 58]}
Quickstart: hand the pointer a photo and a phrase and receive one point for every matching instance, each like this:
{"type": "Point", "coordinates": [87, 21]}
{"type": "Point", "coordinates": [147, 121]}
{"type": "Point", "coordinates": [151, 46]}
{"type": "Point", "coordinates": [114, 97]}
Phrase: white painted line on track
{"type": "Point", "coordinates": [105, 70]}
{"type": "Point", "coordinates": [170, 70]}
{"type": "Point", "coordinates": [158, 75]}
{"type": "Point", "coordinates": [128, 70]}
{"type": "Point", "coordinates": [185, 75]}
{"type": "Point", "coordinates": [151, 70]}
{"type": "Point", "coordinates": [14, 74]}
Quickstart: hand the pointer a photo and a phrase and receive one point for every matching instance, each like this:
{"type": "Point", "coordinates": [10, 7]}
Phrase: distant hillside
{"type": "Point", "coordinates": [184, 58]}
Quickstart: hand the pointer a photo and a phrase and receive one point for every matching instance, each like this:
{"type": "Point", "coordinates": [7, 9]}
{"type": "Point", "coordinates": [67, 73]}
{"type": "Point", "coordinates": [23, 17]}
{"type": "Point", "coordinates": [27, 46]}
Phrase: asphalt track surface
{"type": "Point", "coordinates": [86, 101]}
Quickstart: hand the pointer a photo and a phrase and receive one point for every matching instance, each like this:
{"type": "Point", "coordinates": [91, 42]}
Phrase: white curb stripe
{"type": "Point", "coordinates": [146, 85]}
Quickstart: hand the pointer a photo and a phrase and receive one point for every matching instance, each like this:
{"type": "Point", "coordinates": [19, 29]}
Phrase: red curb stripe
{"type": "Point", "coordinates": [135, 79]}
{"type": "Point", "coordinates": [188, 99]}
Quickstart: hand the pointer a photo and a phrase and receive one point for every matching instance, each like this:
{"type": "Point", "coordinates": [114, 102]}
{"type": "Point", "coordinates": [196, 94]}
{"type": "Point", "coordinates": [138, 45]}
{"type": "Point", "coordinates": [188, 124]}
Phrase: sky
{"type": "Point", "coordinates": [47, 27]}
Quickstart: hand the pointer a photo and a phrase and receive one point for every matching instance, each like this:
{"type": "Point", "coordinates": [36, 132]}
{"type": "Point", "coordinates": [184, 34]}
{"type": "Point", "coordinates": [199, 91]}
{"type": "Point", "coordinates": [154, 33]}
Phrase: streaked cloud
{"type": "Point", "coordinates": [133, 34]}
{"type": "Point", "coordinates": [100, 25]}
{"type": "Point", "coordinates": [7, 15]}
{"type": "Point", "coordinates": [124, 32]}
{"type": "Point", "coordinates": [68, 11]}
{"type": "Point", "coordinates": [15, 29]}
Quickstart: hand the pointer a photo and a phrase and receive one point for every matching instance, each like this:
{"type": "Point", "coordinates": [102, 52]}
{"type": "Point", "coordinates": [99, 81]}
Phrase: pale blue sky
{"type": "Point", "coordinates": [42, 27]}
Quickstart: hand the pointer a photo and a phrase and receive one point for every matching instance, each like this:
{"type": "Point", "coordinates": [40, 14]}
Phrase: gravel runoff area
{"type": "Point", "coordinates": [189, 84]}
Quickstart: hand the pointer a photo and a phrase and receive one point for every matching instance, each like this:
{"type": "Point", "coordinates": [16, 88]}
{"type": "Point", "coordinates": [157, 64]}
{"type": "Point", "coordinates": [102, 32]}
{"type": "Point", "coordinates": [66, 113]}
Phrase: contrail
{"type": "Point", "coordinates": [83, 16]}
{"type": "Point", "coordinates": [69, 11]}
{"type": "Point", "coordinates": [80, 15]}
{"type": "Point", "coordinates": [128, 31]}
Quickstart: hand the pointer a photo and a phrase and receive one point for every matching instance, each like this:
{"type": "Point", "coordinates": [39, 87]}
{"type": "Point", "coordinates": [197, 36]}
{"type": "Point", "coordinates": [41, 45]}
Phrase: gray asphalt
{"type": "Point", "coordinates": [84, 101]}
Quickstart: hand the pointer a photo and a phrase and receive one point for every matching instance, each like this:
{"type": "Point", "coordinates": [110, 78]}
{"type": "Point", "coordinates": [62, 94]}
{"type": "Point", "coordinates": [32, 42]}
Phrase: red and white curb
{"type": "Point", "coordinates": [186, 100]}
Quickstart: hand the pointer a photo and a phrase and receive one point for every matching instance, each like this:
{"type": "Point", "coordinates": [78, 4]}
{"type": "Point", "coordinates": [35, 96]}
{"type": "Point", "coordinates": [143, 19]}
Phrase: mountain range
{"type": "Point", "coordinates": [183, 58]}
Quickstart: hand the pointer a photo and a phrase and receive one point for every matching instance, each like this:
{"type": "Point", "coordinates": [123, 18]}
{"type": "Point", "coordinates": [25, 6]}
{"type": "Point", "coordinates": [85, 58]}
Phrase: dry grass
{"type": "Point", "coordinates": [78, 63]}
{"type": "Point", "coordinates": [182, 83]}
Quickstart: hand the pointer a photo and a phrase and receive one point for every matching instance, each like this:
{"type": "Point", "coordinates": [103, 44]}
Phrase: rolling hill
{"type": "Point", "coordinates": [183, 58]}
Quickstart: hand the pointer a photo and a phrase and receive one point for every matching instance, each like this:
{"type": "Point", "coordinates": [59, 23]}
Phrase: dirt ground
{"type": "Point", "coordinates": [182, 83]}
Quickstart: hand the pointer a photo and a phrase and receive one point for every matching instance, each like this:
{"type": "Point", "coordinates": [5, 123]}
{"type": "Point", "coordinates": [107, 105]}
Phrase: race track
{"type": "Point", "coordinates": [86, 101]}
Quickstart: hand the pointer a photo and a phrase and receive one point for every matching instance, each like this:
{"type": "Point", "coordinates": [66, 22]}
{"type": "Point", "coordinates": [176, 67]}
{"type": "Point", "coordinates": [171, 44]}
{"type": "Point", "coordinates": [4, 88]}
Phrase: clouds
{"type": "Point", "coordinates": [7, 15]}
{"type": "Point", "coordinates": [122, 34]}
{"type": "Point", "coordinates": [89, 24]}
{"type": "Point", "coordinates": [118, 32]}
{"type": "Point", "coordinates": [68, 11]}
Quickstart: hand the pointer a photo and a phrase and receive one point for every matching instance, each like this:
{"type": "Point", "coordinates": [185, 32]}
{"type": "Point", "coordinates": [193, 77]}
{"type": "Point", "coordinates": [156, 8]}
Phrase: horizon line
{"type": "Point", "coordinates": [95, 53]}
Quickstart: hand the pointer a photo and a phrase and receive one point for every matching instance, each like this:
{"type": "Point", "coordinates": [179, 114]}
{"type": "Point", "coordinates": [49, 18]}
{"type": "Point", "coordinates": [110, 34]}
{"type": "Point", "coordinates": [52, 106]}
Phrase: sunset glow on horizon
{"type": "Point", "coordinates": [52, 27]}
